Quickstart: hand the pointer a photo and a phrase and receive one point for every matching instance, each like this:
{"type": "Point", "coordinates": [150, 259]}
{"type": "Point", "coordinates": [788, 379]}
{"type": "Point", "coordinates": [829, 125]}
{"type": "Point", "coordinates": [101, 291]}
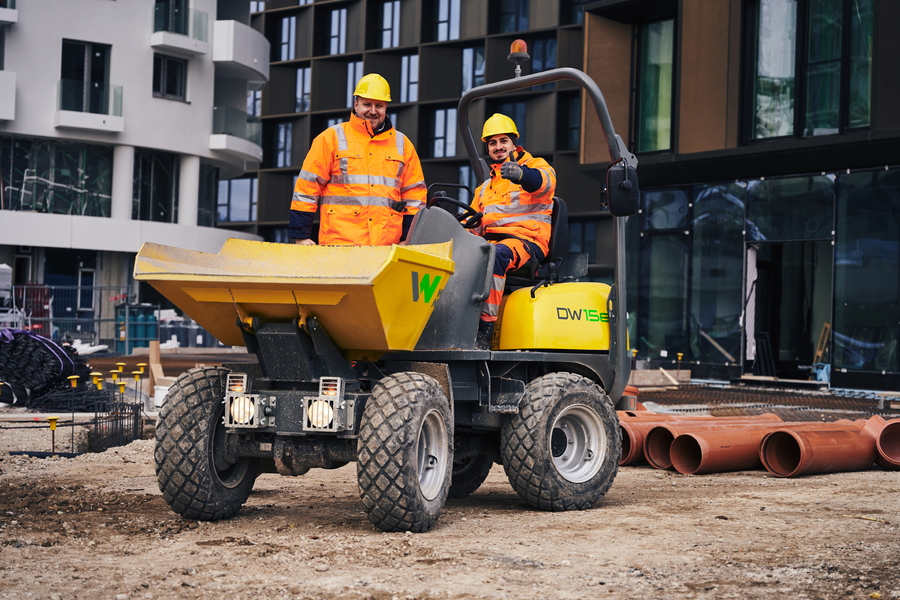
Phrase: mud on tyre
{"type": "Point", "coordinates": [561, 451]}
{"type": "Point", "coordinates": [195, 476]}
{"type": "Point", "coordinates": [405, 454]}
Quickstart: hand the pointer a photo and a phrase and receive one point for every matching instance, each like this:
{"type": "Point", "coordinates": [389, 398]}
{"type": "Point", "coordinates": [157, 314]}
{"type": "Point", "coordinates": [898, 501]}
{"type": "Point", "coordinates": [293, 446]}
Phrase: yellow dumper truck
{"type": "Point", "coordinates": [367, 354]}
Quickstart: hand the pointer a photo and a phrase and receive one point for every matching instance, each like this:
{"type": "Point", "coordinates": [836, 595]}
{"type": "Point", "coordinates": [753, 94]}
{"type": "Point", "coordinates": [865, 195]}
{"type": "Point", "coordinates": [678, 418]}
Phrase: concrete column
{"type": "Point", "coordinates": [122, 182]}
{"type": "Point", "coordinates": [189, 190]}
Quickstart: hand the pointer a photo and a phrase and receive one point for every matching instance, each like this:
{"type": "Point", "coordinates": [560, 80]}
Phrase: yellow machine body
{"type": "Point", "coordinates": [564, 316]}
{"type": "Point", "coordinates": [368, 298]}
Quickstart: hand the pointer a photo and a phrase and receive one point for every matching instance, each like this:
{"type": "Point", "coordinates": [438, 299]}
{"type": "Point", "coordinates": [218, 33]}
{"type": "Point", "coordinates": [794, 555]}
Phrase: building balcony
{"type": "Point", "coordinates": [8, 13]}
{"type": "Point", "coordinates": [186, 36]}
{"type": "Point", "coordinates": [7, 95]}
{"type": "Point", "coordinates": [241, 52]}
{"type": "Point", "coordinates": [236, 133]}
{"type": "Point", "coordinates": [97, 109]}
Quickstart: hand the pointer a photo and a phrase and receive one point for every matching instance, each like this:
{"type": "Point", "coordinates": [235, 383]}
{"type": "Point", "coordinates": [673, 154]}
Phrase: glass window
{"type": "Point", "coordinates": [237, 200]}
{"type": "Point", "coordinates": [573, 11]}
{"type": "Point", "coordinates": [409, 78]}
{"type": "Point", "coordinates": [823, 68]}
{"type": "Point", "coordinates": [337, 40]}
{"type": "Point", "coordinates": [473, 68]}
{"type": "Point", "coordinates": [155, 189]}
{"type": "Point", "coordinates": [717, 255]}
{"type": "Point", "coordinates": [663, 295]}
{"type": "Point", "coordinates": [573, 123]}
{"type": "Point", "coordinates": [860, 63]}
{"type": "Point", "coordinates": [867, 268]}
{"type": "Point", "coordinates": [513, 15]}
{"type": "Point", "coordinates": [543, 58]}
{"type": "Point", "coordinates": [258, 5]}
{"type": "Point", "coordinates": [254, 103]}
{"type": "Point", "coordinates": [466, 177]}
{"type": "Point", "coordinates": [170, 15]}
{"type": "Point", "coordinates": [84, 85]}
{"type": "Point", "coordinates": [446, 20]}
{"type": "Point", "coordinates": [442, 135]}
{"type": "Point", "coordinates": [333, 122]}
{"type": "Point", "coordinates": [773, 84]}
{"type": "Point", "coordinates": [169, 77]}
{"type": "Point", "coordinates": [206, 201]}
{"type": "Point", "coordinates": [583, 238]}
{"type": "Point", "coordinates": [288, 42]}
{"type": "Point", "coordinates": [516, 112]}
{"type": "Point", "coordinates": [654, 110]}
{"type": "Point", "coordinates": [283, 135]}
{"type": "Point", "coordinates": [301, 102]}
{"type": "Point", "coordinates": [790, 208]}
{"type": "Point", "coordinates": [354, 74]}
{"type": "Point", "coordinates": [390, 24]}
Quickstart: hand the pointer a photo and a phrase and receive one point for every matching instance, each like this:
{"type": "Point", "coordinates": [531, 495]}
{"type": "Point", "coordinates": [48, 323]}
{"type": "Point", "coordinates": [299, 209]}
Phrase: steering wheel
{"type": "Point", "coordinates": [469, 219]}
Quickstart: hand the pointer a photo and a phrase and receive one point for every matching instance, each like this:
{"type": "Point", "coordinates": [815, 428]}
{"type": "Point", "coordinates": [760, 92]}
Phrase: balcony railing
{"type": "Point", "coordinates": [228, 120]}
{"type": "Point", "coordinates": [101, 100]}
{"type": "Point", "coordinates": [191, 22]}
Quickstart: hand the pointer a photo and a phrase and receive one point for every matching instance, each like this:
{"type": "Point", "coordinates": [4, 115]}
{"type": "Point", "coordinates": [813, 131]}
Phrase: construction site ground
{"type": "Point", "coordinates": [96, 526]}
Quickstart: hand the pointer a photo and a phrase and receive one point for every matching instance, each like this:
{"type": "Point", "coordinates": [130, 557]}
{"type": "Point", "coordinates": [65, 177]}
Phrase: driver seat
{"type": "Point", "coordinates": [559, 265]}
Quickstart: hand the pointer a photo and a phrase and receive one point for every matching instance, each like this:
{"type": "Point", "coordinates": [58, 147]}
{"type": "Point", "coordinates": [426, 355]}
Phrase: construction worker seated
{"type": "Point", "coordinates": [364, 174]}
{"type": "Point", "coordinates": [517, 202]}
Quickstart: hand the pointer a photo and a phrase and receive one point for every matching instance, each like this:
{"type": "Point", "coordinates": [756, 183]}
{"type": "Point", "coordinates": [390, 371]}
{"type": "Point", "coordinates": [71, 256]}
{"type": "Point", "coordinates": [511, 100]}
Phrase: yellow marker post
{"type": "Point", "coordinates": [95, 376]}
{"type": "Point", "coordinates": [52, 434]}
{"type": "Point", "coordinates": [73, 379]}
{"type": "Point", "coordinates": [115, 376]}
{"type": "Point", "coordinates": [141, 367]}
{"type": "Point", "coordinates": [679, 366]}
{"type": "Point", "coordinates": [121, 366]}
{"type": "Point", "coordinates": [137, 380]}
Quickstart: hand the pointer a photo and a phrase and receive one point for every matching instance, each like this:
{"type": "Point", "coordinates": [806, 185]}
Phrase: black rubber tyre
{"type": "Point", "coordinates": [561, 451]}
{"type": "Point", "coordinates": [469, 475]}
{"type": "Point", "coordinates": [405, 453]}
{"type": "Point", "coordinates": [189, 432]}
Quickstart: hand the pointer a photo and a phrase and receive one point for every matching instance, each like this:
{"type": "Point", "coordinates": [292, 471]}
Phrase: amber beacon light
{"type": "Point", "coordinates": [518, 53]}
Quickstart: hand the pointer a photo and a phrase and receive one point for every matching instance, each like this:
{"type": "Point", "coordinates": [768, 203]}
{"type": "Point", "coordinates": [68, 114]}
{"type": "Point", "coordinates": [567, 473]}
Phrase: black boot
{"type": "Point", "coordinates": [485, 335]}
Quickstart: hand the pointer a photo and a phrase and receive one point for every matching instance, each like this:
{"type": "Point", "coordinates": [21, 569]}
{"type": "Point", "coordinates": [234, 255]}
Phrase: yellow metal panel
{"type": "Point", "coordinates": [354, 291]}
{"type": "Point", "coordinates": [564, 316]}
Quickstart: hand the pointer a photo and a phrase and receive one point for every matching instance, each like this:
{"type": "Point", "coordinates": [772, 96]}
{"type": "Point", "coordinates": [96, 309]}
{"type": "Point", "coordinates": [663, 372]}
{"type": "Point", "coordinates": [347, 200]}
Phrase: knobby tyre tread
{"type": "Point", "coordinates": [525, 445]}
{"type": "Point", "coordinates": [469, 475]}
{"type": "Point", "coordinates": [184, 454]}
{"type": "Point", "coordinates": [387, 469]}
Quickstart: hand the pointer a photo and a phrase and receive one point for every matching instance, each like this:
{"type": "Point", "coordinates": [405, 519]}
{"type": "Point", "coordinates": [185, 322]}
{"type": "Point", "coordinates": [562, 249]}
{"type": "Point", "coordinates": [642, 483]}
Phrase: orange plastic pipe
{"type": "Point", "coordinates": [788, 453]}
{"type": "Point", "coordinates": [699, 451]}
{"type": "Point", "coordinates": [658, 440]}
{"type": "Point", "coordinates": [888, 445]}
{"type": "Point", "coordinates": [634, 431]}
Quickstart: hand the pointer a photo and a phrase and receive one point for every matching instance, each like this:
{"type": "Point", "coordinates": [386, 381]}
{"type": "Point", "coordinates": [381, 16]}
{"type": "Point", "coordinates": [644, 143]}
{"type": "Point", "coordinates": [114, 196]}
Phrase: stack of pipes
{"type": "Point", "coordinates": [697, 445]}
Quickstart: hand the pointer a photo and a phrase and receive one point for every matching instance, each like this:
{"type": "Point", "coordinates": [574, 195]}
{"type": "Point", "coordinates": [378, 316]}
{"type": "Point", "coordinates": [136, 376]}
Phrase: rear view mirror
{"type": "Point", "coordinates": [622, 189]}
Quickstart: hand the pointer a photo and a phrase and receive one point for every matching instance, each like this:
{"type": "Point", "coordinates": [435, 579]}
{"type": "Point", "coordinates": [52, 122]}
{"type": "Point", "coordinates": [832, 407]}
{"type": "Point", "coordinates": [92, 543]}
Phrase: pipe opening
{"type": "Point", "coordinates": [889, 442]}
{"type": "Point", "coordinates": [686, 454]}
{"type": "Point", "coordinates": [627, 447]}
{"type": "Point", "coordinates": [781, 453]}
{"type": "Point", "coordinates": [657, 446]}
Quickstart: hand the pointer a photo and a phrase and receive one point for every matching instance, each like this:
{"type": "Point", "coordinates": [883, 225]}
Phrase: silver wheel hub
{"type": "Point", "coordinates": [432, 452]}
{"type": "Point", "coordinates": [577, 443]}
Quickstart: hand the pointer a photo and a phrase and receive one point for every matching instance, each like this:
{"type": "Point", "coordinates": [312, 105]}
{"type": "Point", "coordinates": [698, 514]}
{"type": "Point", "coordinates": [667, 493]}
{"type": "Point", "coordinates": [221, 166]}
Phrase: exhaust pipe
{"type": "Point", "coordinates": [658, 440]}
{"type": "Point", "coordinates": [788, 453]}
{"type": "Point", "coordinates": [635, 430]}
{"type": "Point", "coordinates": [888, 444]}
{"type": "Point", "coordinates": [696, 452]}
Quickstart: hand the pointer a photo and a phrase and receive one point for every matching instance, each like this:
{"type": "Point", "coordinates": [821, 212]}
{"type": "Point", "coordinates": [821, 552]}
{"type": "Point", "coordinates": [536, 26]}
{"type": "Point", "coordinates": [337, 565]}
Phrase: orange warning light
{"type": "Point", "coordinates": [518, 46]}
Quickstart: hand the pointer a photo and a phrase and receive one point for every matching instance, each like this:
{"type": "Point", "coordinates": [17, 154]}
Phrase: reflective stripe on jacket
{"type": "Point", "coordinates": [511, 210]}
{"type": "Point", "coordinates": [355, 177]}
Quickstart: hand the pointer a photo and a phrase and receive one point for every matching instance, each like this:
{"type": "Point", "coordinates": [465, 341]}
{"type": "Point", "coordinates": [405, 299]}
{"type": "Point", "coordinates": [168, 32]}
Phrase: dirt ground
{"type": "Point", "coordinates": [96, 527]}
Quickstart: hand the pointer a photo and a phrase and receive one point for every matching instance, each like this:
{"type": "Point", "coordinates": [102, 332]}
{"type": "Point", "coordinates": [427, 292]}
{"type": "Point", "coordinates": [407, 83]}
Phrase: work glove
{"type": "Point", "coordinates": [511, 170]}
{"type": "Point", "coordinates": [399, 206]}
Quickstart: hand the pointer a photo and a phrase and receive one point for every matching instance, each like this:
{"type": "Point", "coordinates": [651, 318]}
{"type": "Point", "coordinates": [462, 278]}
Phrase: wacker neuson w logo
{"type": "Point", "coordinates": [576, 314]}
{"type": "Point", "coordinates": [426, 286]}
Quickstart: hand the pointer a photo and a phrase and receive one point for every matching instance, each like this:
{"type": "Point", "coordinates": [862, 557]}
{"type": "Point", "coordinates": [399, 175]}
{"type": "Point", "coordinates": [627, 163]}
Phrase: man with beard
{"type": "Point", "coordinates": [364, 174]}
{"type": "Point", "coordinates": [517, 202]}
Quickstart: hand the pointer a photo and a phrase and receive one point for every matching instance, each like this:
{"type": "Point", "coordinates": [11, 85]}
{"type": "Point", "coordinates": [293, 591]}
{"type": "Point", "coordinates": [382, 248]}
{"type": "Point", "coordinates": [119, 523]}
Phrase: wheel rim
{"type": "Point", "coordinates": [230, 474]}
{"type": "Point", "coordinates": [432, 453]}
{"type": "Point", "coordinates": [578, 443]}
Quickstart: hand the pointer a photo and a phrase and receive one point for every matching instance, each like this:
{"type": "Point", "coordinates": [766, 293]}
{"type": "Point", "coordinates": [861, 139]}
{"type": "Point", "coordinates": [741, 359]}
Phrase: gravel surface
{"type": "Point", "coordinates": [96, 527]}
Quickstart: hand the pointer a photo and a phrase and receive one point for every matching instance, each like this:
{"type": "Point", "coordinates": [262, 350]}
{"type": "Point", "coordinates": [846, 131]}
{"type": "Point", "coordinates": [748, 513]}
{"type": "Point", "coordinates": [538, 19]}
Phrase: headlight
{"type": "Point", "coordinates": [320, 414]}
{"type": "Point", "coordinates": [242, 410]}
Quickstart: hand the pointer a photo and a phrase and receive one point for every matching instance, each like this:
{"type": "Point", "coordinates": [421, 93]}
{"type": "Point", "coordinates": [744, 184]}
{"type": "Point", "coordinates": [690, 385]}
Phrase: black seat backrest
{"type": "Point", "coordinates": [559, 231]}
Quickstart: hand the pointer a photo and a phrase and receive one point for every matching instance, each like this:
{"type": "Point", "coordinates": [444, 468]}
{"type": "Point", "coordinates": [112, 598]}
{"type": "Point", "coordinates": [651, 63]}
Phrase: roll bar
{"type": "Point", "coordinates": [618, 354]}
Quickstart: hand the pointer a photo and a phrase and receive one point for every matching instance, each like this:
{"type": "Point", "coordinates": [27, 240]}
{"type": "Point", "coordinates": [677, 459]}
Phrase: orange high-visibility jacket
{"type": "Point", "coordinates": [511, 210]}
{"type": "Point", "coordinates": [355, 177]}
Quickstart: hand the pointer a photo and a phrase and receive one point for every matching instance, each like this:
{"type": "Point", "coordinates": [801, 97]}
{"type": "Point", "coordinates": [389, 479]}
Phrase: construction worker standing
{"type": "Point", "coordinates": [517, 202]}
{"type": "Point", "coordinates": [364, 174]}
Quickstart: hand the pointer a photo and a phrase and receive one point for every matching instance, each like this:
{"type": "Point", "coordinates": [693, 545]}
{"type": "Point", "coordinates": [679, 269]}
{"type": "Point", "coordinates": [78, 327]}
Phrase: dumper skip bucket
{"type": "Point", "coordinates": [370, 299]}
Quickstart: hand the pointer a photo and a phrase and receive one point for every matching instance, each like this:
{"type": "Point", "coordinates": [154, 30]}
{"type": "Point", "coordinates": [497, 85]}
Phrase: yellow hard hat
{"type": "Point", "coordinates": [374, 87]}
{"type": "Point", "coordinates": [498, 124]}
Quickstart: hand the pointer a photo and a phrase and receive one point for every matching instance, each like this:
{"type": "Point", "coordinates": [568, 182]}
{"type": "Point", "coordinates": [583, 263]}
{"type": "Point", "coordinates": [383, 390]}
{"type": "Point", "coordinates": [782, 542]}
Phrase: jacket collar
{"type": "Point", "coordinates": [362, 126]}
